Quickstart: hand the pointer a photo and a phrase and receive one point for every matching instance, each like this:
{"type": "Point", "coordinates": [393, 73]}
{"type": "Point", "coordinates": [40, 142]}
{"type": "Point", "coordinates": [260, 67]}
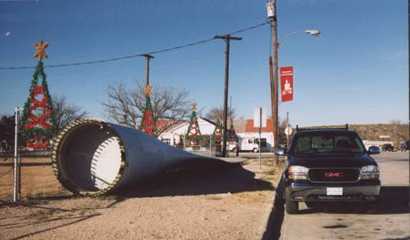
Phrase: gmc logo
{"type": "Point", "coordinates": [334, 174]}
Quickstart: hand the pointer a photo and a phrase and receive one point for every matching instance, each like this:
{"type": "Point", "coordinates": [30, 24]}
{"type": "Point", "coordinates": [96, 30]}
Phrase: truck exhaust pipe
{"type": "Point", "coordinates": [92, 157]}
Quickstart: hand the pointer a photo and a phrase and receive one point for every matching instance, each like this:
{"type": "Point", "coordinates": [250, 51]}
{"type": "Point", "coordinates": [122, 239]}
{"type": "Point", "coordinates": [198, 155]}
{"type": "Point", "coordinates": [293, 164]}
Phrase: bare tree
{"type": "Point", "coordinates": [121, 107]}
{"type": "Point", "coordinates": [6, 133]}
{"type": "Point", "coordinates": [216, 114]}
{"type": "Point", "coordinates": [127, 106]}
{"type": "Point", "coordinates": [65, 112]}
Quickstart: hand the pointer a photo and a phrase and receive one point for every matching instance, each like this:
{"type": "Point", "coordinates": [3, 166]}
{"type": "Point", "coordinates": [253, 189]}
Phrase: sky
{"type": "Point", "coordinates": [355, 72]}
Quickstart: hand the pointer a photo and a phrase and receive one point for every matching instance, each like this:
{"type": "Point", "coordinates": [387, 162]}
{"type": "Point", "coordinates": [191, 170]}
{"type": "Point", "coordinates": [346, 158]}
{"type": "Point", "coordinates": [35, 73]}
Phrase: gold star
{"type": "Point", "coordinates": [40, 50]}
{"type": "Point", "coordinates": [194, 107]}
{"type": "Point", "coordinates": [148, 90]}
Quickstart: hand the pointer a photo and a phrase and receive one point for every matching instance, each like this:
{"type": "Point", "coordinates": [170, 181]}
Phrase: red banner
{"type": "Point", "coordinates": [286, 83]}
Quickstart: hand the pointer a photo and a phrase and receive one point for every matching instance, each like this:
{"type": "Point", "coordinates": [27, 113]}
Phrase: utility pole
{"type": "Point", "coordinates": [287, 126]}
{"type": "Point", "coordinates": [147, 60]}
{"type": "Point", "coordinates": [408, 5]}
{"type": "Point", "coordinates": [227, 38]}
{"type": "Point", "coordinates": [273, 68]}
{"type": "Point", "coordinates": [147, 124]}
{"type": "Point", "coordinates": [260, 133]}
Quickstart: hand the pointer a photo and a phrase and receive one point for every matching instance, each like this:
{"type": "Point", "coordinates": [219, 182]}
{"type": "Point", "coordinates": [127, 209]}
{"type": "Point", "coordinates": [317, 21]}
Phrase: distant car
{"type": "Point", "coordinates": [328, 165]}
{"type": "Point", "coordinates": [387, 147]}
{"type": "Point", "coordinates": [376, 148]}
{"type": "Point", "coordinates": [403, 147]}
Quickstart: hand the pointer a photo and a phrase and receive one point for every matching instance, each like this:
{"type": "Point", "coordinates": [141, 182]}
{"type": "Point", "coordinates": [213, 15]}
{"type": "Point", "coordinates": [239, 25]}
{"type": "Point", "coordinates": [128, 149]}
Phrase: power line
{"type": "Point", "coordinates": [115, 59]}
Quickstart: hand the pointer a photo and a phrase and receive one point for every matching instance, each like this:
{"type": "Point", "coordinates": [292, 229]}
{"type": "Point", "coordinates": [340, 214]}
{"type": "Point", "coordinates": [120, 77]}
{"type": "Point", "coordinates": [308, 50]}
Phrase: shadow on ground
{"type": "Point", "coordinates": [393, 200]}
{"type": "Point", "coordinates": [68, 221]}
{"type": "Point", "coordinates": [29, 218]}
{"type": "Point", "coordinates": [274, 225]}
{"type": "Point", "coordinates": [229, 178]}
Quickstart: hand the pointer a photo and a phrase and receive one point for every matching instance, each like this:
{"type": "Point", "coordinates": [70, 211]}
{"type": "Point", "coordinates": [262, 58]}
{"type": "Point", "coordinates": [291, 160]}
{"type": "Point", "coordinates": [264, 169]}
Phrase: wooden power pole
{"type": "Point", "coordinates": [227, 39]}
{"type": "Point", "coordinates": [273, 69]}
{"type": "Point", "coordinates": [147, 60]}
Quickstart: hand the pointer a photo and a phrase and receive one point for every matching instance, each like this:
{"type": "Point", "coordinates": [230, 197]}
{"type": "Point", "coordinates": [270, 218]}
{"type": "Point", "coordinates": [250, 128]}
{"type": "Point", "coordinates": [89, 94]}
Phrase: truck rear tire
{"type": "Point", "coordinates": [292, 207]}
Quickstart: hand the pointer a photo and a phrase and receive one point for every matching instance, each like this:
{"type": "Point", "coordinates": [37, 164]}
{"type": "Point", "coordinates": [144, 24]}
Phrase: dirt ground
{"type": "Point", "coordinates": [229, 203]}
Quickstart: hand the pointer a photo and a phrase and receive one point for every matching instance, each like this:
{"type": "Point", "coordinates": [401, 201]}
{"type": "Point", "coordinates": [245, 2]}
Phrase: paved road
{"type": "Point", "coordinates": [389, 219]}
{"type": "Point", "coordinates": [394, 168]}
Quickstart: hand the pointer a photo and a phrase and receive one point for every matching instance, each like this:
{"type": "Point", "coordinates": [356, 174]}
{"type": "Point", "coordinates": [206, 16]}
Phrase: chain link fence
{"type": "Point", "coordinates": [37, 178]}
{"type": "Point", "coordinates": [6, 179]}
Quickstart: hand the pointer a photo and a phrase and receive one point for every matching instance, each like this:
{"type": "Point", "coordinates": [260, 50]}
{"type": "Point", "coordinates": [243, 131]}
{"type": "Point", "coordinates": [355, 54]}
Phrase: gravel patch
{"type": "Point", "coordinates": [230, 203]}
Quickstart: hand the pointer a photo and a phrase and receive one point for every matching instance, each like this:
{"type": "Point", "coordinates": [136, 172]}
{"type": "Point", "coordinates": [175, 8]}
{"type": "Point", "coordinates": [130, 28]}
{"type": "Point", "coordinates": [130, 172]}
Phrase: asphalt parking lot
{"type": "Point", "coordinates": [387, 219]}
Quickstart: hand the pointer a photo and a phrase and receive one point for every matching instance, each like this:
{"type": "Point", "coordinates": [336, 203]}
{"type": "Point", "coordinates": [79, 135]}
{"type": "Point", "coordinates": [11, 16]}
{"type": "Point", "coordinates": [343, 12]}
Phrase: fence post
{"type": "Point", "coordinates": [16, 175]}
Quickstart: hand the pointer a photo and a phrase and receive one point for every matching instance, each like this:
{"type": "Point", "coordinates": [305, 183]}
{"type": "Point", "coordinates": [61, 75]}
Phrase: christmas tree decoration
{"type": "Point", "coordinates": [147, 122]}
{"type": "Point", "coordinates": [231, 134]}
{"type": "Point", "coordinates": [38, 118]}
{"type": "Point", "coordinates": [193, 134]}
{"type": "Point", "coordinates": [217, 136]}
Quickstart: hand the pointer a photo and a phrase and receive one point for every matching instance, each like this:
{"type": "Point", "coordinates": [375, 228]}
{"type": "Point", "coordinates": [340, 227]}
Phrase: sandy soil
{"type": "Point", "coordinates": [232, 203]}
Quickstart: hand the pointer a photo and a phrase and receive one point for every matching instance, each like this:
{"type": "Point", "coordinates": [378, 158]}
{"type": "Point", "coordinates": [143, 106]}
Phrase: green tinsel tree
{"type": "Point", "coordinates": [38, 119]}
{"type": "Point", "coordinates": [194, 133]}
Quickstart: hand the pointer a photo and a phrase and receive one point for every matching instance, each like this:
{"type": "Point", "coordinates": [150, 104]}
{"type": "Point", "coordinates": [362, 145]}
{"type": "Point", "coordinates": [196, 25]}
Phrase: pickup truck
{"type": "Point", "coordinates": [328, 165]}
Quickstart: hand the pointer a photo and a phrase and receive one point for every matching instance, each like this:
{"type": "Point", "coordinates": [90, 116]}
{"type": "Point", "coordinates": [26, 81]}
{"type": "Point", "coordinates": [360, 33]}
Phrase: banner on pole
{"type": "Point", "coordinates": [286, 83]}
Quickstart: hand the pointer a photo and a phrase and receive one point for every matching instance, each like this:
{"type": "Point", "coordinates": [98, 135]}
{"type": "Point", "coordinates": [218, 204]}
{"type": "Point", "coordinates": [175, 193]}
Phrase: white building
{"type": "Point", "coordinates": [174, 134]}
{"type": "Point", "coordinates": [252, 132]}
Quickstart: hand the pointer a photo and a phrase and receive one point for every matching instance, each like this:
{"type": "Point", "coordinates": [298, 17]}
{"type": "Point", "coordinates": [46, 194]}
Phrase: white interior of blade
{"type": "Point", "coordinates": [106, 163]}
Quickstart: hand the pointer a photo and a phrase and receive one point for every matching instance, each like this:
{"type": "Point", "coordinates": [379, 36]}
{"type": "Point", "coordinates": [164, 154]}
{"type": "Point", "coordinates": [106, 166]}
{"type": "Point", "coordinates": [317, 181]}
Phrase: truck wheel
{"type": "Point", "coordinates": [292, 207]}
{"type": "Point", "coordinates": [255, 150]}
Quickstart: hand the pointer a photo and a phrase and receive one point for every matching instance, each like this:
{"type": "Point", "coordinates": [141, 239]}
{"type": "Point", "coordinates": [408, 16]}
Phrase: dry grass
{"type": "Point", "coordinates": [36, 181]}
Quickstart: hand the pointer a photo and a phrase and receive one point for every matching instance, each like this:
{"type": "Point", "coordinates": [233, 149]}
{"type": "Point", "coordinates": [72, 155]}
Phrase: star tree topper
{"type": "Point", "coordinates": [40, 47]}
{"type": "Point", "coordinates": [148, 90]}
